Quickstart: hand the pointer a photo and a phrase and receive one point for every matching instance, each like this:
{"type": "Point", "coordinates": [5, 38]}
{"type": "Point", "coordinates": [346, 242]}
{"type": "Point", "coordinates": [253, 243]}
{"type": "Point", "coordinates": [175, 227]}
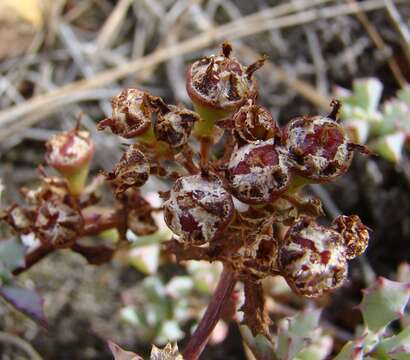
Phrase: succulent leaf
{"type": "Point", "coordinates": [11, 254]}
{"type": "Point", "coordinates": [396, 347]}
{"type": "Point", "coordinates": [384, 302]}
{"type": "Point", "coordinates": [353, 350]}
{"type": "Point", "coordinates": [295, 333]}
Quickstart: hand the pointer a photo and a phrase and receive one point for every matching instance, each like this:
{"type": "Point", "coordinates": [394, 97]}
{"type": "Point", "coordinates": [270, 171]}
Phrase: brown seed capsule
{"type": "Point", "coordinates": [318, 146]}
{"type": "Point", "coordinates": [199, 208]}
{"type": "Point", "coordinates": [312, 258]}
{"type": "Point", "coordinates": [174, 124]}
{"type": "Point", "coordinates": [131, 114]}
{"type": "Point", "coordinates": [70, 151]}
{"type": "Point", "coordinates": [131, 171]}
{"type": "Point", "coordinates": [20, 219]}
{"type": "Point", "coordinates": [253, 122]}
{"type": "Point", "coordinates": [57, 224]}
{"type": "Point", "coordinates": [257, 172]}
{"type": "Point", "coordinates": [257, 257]}
{"type": "Point", "coordinates": [354, 233]}
{"type": "Point", "coordinates": [220, 82]}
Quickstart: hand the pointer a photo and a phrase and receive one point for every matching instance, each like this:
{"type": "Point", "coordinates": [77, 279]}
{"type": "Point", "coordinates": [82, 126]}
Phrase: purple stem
{"type": "Point", "coordinates": [212, 315]}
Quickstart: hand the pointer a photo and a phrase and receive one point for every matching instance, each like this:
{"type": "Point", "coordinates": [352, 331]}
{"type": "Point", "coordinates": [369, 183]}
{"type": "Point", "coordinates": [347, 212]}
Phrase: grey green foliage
{"type": "Point", "coordinates": [161, 308]}
{"type": "Point", "coordinates": [385, 127]}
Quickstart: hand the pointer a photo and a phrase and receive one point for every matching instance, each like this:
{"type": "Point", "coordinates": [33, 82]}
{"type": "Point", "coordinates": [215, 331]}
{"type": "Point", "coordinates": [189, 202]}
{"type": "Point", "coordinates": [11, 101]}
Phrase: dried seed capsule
{"type": "Point", "coordinates": [257, 256]}
{"type": "Point", "coordinates": [131, 114]}
{"type": "Point", "coordinates": [20, 219]}
{"type": "Point", "coordinates": [354, 233]}
{"type": "Point", "coordinates": [318, 147]}
{"type": "Point", "coordinates": [131, 171]}
{"type": "Point", "coordinates": [253, 122]}
{"type": "Point", "coordinates": [57, 224]}
{"type": "Point", "coordinates": [70, 153]}
{"type": "Point", "coordinates": [257, 173]}
{"type": "Point", "coordinates": [312, 258]}
{"type": "Point", "coordinates": [174, 124]}
{"type": "Point", "coordinates": [199, 208]}
{"type": "Point", "coordinates": [221, 82]}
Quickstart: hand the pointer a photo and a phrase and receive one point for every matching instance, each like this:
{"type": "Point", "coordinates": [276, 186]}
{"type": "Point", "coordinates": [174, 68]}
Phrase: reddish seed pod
{"type": "Point", "coordinates": [220, 82]}
{"type": "Point", "coordinates": [131, 171]}
{"type": "Point", "coordinates": [354, 233]}
{"type": "Point", "coordinates": [70, 151]}
{"type": "Point", "coordinates": [258, 173]}
{"type": "Point", "coordinates": [312, 258]}
{"type": "Point", "coordinates": [318, 147]}
{"type": "Point", "coordinates": [253, 122]}
{"type": "Point", "coordinates": [57, 224]}
{"type": "Point", "coordinates": [174, 124]}
{"type": "Point", "coordinates": [131, 114]}
{"type": "Point", "coordinates": [199, 208]}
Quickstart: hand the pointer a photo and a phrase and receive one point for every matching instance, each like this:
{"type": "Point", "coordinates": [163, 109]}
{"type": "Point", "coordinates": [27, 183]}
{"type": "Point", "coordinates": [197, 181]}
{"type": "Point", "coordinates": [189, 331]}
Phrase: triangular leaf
{"type": "Point", "coordinates": [295, 333]}
{"type": "Point", "coordinates": [384, 302]}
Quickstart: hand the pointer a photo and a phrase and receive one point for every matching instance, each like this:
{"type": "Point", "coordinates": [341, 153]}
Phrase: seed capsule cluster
{"type": "Point", "coordinates": [261, 166]}
{"type": "Point", "coordinates": [234, 202]}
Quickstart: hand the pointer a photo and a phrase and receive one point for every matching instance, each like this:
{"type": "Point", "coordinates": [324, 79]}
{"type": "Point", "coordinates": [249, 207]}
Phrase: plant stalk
{"type": "Point", "coordinates": [212, 315]}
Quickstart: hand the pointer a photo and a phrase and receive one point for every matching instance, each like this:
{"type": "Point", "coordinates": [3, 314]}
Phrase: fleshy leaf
{"type": "Point", "coordinates": [390, 146]}
{"type": "Point", "coordinates": [295, 333]}
{"type": "Point", "coordinates": [353, 350]}
{"type": "Point", "coordinates": [169, 352]}
{"type": "Point", "coordinates": [121, 354]}
{"type": "Point", "coordinates": [260, 345]}
{"type": "Point", "coordinates": [145, 258]}
{"type": "Point", "coordinates": [25, 300]}
{"type": "Point", "coordinates": [179, 286]}
{"type": "Point", "coordinates": [170, 331]}
{"type": "Point", "coordinates": [367, 93]}
{"type": "Point", "coordinates": [396, 347]}
{"type": "Point", "coordinates": [320, 349]}
{"type": "Point", "coordinates": [11, 254]}
{"type": "Point", "coordinates": [384, 302]}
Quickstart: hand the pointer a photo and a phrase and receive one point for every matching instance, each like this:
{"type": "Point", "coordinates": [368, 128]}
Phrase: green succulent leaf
{"type": "Point", "coordinates": [384, 302]}
{"type": "Point", "coordinates": [295, 333]}
{"type": "Point", "coordinates": [353, 350]}
{"type": "Point", "coordinates": [12, 254]}
{"type": "Point", "coordinates": [367, 93]}
{"type": "Point", "coordinates": [145, 258]}
{"type": "Point", "coordinates": [396, 347]}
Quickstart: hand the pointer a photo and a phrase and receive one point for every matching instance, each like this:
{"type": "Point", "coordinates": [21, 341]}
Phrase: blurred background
{"type": "Point", "coordinates": [61, 59]}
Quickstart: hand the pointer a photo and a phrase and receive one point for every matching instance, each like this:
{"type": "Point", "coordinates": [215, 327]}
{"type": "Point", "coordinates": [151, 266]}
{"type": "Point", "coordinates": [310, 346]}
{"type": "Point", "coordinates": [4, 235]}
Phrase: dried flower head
{"type": "Point", "coordinates": [220, 82]}
{"type": "Point", "coordinates": [354, 233]}
{"type": "Point", "coordinates": [312, 258]}
{"type": "Point", "coordinates": [257, 172]}
{"type": "Point", "coordinates": [253, 122]}
{"type": "Point", "coordinates": [57, 224]}
{"type": "Point", "coordinates": [199, 208]}
{"type": "Point", "coordinates": [131, 171]}
{"type": "Point", "coordinates": [174, 124]}
{"type": "Point", "coordinates": [256, 258]}
{"type": "Point", "coordinates": [19, 218]}
{"type": "Point", "coordinates": [70, 151]}
{"type": "Point", "coordinates": [318, 147]}
{"type": "Point", "coordinates": [131, 114]}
